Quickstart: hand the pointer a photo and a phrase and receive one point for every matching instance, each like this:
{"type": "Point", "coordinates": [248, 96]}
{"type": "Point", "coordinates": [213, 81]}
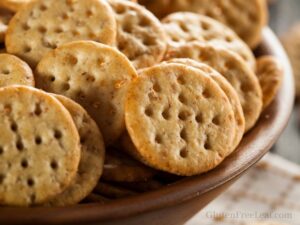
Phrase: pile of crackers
{"type": "Point", "coordinates": [102, 99]}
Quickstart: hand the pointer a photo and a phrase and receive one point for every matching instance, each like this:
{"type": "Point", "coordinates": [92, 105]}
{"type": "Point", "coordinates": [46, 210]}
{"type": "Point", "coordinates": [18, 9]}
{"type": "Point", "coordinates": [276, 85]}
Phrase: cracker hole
{"type": "Point", "coordinates": [175, 39]}
{"type": "Point", "coordinates": [58, 30]}
{"type": "Point", "coordinates": [52, 78]}
{"type": "Point", "coordinates": [127, 27]}
{"type": "Point", "coordinates": [156, 87]}
{"type": "Point", "coordinates": [5, 72]}
{"type": "Point", "coordinates": [38, 140]}
{"type": "Point", "coordinates": [42, 29]}
{"type": "Point", "coordinates": [166, 114]}
{"type": "Point", "coordinates": [181, 80]}
{"type": "Point", "coordinates": [206, 93]}
{"type": "Point", "coordinates": [66, 87]}
{"type": "Point", "coordinates": [65, 16]}
{"type": "Point", "coordinates": [38, 110]}
{"type": "Point", "coordinates": [27, 49]}
{"type": "Point", "coordinates": [14, 127]}
{"type": "Point", "coordinates": [183, 115]}
{"type": "Point", "coordinates": [30, 182]}
{"type": "Point", "coordinates": [20, 145]}
{"type": "Point", "coordinates": [144, 22]}
{"type": "Point", "coordinates": [199, 118]}
{"type": "Point", "coordinates": [183, 27]}
{"type": "Point", "coordinates": [57, 134]}
{"type": "Point", "coordinates": [43, 7]}
{"type": "Point", "coordinates": [158, 139]}
{"type": "Point", "coordinates": [24, 163]}
{"type": "Point", "coordinates": [182, 99]}
{"type": "Point", "coordinates": [216, 120]}
{"type": "Point", "coordinates": [149, 112]}
{"type": "Point", "coordinates": [207, 144]}
{"type": "Point", "coordinates": [1, 150]}
{"type": "Point", "coordinates": [25, 26]}
{"type": "Point", "coordinates": [89, 13]}
{"type": "Point", "coordinates": [183, 153]}
{"type": "Point", "coordinates": [2, 177]}
{"type": "Point", "coordinates": [228, 39]}
{"type": "Point", "coordinates": [149, 41]}
{"type": "Point", "coordinates": [205, 26]}
{"type": "Point", "coordinates": [120, 9]}
{"type": "Point", "coordinates": [71, 59]}
{"type": "Point", "coordinates": [75, 32]}
{"type": "Point", "coordinates": [54, 165]}
{"type": "Point", "coordinates": [183, 134]}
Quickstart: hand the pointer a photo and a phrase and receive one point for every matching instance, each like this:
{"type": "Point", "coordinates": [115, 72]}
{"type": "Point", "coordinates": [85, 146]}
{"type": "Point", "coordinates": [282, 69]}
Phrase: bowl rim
{"type": "Point", "coordinates": [253, 147]}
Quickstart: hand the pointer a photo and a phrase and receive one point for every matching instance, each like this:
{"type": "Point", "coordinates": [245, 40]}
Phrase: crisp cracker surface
{"type": "Point", "coordinates": [179, 119]}
{"type": "Point", "coordinates": [246, 18]}
{"type": "Point", "coordinates": [94, 75]}
{"type": "Point", "coordinates": [140, 35]}
{"type": "Point", "coordinates": [43, 25]}
{"type": "Point", "coordinates": [183, 27]}
{"type": "Point", "coordinates": [228, 90]}
{"type": "Point", "coordinates": [14, 71]}
{"type": "Point", "coordinates": [233, 68]}
{"type": "Point", "coordinates": [39, 147]}
{"type": "Point", "coordinates": [92, 156]}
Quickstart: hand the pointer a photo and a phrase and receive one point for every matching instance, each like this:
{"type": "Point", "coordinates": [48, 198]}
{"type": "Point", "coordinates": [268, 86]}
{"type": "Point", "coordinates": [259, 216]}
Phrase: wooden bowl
{"type": "Point", "coordinates": [177, 203]}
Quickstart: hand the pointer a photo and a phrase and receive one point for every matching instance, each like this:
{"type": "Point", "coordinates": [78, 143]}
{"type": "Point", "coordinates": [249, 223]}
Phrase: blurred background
{"type": "Point", "coordinates": [284, 17]}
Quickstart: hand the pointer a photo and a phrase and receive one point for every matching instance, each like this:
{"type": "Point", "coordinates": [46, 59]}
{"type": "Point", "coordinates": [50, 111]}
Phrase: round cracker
{"type": "Point", "coordinates": [270, 76]}
{"type": "Point", "coordinates": [14, 71]}
{"type": "Point", "coordinates": [228, 90]}
{"type": "Point", "coordinates": [43, 25]}
{"type": "Point", "coordinates": [140, 35]}
{"type": "Point", "coordinates": [119, 167]}
{"type": "Point", "coordinates": [92, 156]}
{"type": "Point", "coordinates": [94, 75]}
{"type": "Point", "coordinates": [183, 27]}
{"type": "Point", "coordinates": [246, 18]}
{"type": "Point", "coordinates": [14, 5]}
{"type": "Point", "coordinates": [39, 146]}
{"type": "Point", "coordinates": [179, 120]}
{"type": "Point", "coordinates": [233, 68]}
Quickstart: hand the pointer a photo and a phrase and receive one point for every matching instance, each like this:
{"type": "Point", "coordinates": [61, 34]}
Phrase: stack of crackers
{"type": "Point", "coordinates": [99, 99]}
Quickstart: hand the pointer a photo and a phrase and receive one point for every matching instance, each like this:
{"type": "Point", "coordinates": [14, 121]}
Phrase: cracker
{"type": "Point", "coordinates": [183, 27]}
{"type": "Point", "coordinates": [246, 18]}
{"type": "Point", "coordinates": [179, 120]}
{"type": "Point", "coordinates": [234, 69]}
{"type": "Point", "coordinates": [270, 75]}
{"type": "Point", "coordinates": [14, 5]}
{"type": "Point", "coordinates": [228, 90]}
{"type": "Point", "coordinates": [92, 156]}
{"type": "Point", "coordinates": [5, 17]}
{"type": "Point", "coordinates": [14, 71]}
{"type": "Point", "coordinates": [119, 167]}
{"type": "Point", "coordinates": [291, 43]}
{"type": "Point", "coordinates": [140, 34]}
{"type": "Point", "coordinates": [94, 75]}
{"type": "Point", "coordinates": [43, 25]}
{"type": "Point", "coordinates": [113, 191]}
{"type": "Point", "coordinates": [39, 146]}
